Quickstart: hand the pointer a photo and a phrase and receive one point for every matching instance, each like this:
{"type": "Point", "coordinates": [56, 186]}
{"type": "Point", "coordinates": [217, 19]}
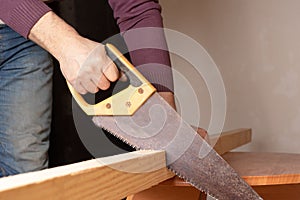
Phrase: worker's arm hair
{"type": "Point", "coordinates": [55, 35]}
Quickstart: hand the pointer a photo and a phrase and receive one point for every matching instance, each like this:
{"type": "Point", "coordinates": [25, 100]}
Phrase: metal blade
{"type": "Point", "coordinates": [157, 126]}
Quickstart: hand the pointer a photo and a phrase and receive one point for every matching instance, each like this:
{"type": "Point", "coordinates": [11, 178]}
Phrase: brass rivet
{"type": "Point", "coordinates": [108, 105]}
{"type": "Point", "coordinates": [140, 90]}
{"type": "Point", "coordinates": [128, 104]}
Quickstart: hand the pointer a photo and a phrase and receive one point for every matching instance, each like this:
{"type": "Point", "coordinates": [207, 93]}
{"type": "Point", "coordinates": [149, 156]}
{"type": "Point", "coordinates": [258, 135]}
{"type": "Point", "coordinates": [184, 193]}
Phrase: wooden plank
{"type": "Point", "coordinates": [102, 178]}
{"type": "Point", "coordinates": [278, 192]}
{"type": "Point", "coordinates": [236, 138]}
{"type": "Point", "coordinates": [108, 178]}
{"type": "Point", "coordinates": [230, 140]}
{"type": "Point", "coordinates": [163, 192]}
{"type": "Point", "coordinates": [266, 168]}
{"type": "Point", "coordinates": [222, 143]}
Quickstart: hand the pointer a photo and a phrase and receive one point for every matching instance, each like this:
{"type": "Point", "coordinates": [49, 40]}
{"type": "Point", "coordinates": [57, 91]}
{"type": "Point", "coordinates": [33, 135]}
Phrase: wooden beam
{"type": "Point", "coordinates": [258, 168]}
{"type": "Point", "coordinates": [278, 192]}
{"type": "Point", "coordinates": [107, 178]}
{"type": "Point", "coordinates": [230, 140]}
{"type": "Point", "coordinates": [236, 138]}
{"type": "Point", "coordinates": [221, 143]}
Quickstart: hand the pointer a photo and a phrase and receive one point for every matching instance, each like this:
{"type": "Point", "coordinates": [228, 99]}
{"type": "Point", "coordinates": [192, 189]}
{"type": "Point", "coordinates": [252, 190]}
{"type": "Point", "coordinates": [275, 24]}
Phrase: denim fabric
{"type": "Point", "coordinates": [25, 104]}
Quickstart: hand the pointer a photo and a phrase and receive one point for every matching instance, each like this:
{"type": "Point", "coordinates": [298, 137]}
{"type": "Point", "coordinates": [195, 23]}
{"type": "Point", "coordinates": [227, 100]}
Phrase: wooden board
{"type": "Point", "coordinates": [274, 176]}
{"type": "Point", "coordinates": [93, 179]}
{"type": "Point", "coordinates": [279, 192]}
{"type": "Point", "coordinates": [226, 142]}
{"type": "Point", "coordinates": [266, 168]}
{"type": "Point", "coordinates": [101, 178]}
{"type": "Point", "coordinates": [163, 192]}
{"type": "Point", "coordinates": [175, 187]}
{"type": "Point", "coordinates": [230, 140]}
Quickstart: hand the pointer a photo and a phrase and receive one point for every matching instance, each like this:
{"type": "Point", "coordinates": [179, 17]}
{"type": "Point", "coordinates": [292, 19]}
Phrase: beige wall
{"type": "Point", "coordinates": [256, 45]}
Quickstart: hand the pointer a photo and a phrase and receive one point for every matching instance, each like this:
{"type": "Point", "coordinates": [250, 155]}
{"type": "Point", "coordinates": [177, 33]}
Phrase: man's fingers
{"type": "Point", "coordinates": [90, 87]}
{"type": "Point", "coordinates": [92, 81]}
{"type": "Point", "coordinates": [102, 82]}
{"type": "Point", "coordinates": [110, 71]}
{"type": "Point", "coordinates": [79, 88]}
{"type": "Point", "coordinates": [88, 84]}
{"type": "Point", "coordinates": [92, 73]}
{"type": "Point", "coordinates": [122, 76]}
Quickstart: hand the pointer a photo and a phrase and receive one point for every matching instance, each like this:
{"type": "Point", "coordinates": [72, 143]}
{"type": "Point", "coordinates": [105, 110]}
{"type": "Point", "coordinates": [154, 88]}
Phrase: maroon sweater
{"type": "Point", "coordinates": [21, 15]}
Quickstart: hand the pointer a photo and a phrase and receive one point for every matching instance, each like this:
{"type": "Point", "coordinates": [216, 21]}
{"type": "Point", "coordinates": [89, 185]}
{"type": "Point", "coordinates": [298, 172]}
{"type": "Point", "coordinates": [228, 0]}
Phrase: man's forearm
{"type": "Point", "coordinates": [53, 34]}
{"type": "Point", "coordinates": [83, 62]}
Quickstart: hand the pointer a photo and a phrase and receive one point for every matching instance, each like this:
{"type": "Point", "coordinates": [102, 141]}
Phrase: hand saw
{"type": "Point", "coordinates": [141, 118]}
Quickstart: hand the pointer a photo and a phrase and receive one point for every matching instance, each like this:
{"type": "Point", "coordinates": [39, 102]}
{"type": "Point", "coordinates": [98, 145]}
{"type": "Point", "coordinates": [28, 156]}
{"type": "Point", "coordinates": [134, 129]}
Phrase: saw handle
{"type": "Point", "coordinates": [125, 102]}
{"type": "Point", "coordinates": [127, 69]}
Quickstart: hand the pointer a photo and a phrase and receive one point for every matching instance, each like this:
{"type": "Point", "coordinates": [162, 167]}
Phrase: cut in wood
{"type": "Point", "coordinates": [106, 178]}
{"type": "Point", "coordinates": [235, 138]}
{"type": "Point", "coordinates": [169, 189]}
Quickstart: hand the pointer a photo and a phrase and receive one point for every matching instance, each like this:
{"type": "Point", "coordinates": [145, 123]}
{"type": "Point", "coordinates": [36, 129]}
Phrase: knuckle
{"type": "Point", "coordinates": [104, 86]}
{"type": "Point", "coordinates": [71, 79]}
{"type": "Point", "coordinates": [81, 91]}
{"type": "Point", "coordinates": [94, 90]}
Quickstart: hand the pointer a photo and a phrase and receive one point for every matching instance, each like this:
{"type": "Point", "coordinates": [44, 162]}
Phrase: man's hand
{"type": "Point", "coordinates": [88, 69]}
{"type": "Point", "coordinates": [83, 62]}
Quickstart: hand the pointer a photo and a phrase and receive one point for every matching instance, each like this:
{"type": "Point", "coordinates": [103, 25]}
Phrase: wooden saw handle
{"type": "Point", "coordinates": [127, 101]}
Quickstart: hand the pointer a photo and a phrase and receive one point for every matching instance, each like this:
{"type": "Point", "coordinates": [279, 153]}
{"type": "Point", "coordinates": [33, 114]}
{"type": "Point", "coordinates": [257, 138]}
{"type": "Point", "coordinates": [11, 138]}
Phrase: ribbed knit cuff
{"type": "Point", "coordinates": [25, 15]}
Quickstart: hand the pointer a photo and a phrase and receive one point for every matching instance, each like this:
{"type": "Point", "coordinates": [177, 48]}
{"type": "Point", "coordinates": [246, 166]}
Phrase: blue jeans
{"type": "Point", "coordinates": [25, 104]}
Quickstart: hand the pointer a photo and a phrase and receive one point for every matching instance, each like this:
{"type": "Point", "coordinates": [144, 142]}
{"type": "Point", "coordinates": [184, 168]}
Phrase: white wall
{"type": "Point", "coordinates": [256, 45]}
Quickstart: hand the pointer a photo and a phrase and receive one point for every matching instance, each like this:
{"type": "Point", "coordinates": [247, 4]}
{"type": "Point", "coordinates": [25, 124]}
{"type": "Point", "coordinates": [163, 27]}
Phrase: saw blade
{"type": "Point", "coordinates": [157, 126]}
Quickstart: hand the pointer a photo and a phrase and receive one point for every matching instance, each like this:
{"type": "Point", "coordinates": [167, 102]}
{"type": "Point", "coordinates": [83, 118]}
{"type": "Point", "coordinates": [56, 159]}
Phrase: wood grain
{"type": "Point", "coordinates": [175, 187]}
{"type": "Point", "coordinates": [106, 178]}
{"type": "Point", "coordinates": [279, 192]}
{"type": "Point", "coordinates": [230, 140]}
{"type": "Point", "coordinates": [223, 143]}
{"type": "Point", "coordinates": [164, 192]}
{"type": "Point", "coordinates": [274, 176]}
{"type": "Point", "coordinates": [266, 168]}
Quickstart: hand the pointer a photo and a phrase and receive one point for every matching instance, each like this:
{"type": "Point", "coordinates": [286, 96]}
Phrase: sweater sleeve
{"type": "Point", "coordinates": [21, 15]}
{"type": "Point", "coordinates": [147, 47]}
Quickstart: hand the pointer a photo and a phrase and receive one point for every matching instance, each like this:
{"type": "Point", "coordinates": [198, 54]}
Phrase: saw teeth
{"type": "Point", "coordinates": [177, 174]}
{"type": "Point", "coordinates": [190, 182]}
{"type": "Point", "coordinates": [169, 167]}
{"type": "Point", "coordinates": [122, 139]}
